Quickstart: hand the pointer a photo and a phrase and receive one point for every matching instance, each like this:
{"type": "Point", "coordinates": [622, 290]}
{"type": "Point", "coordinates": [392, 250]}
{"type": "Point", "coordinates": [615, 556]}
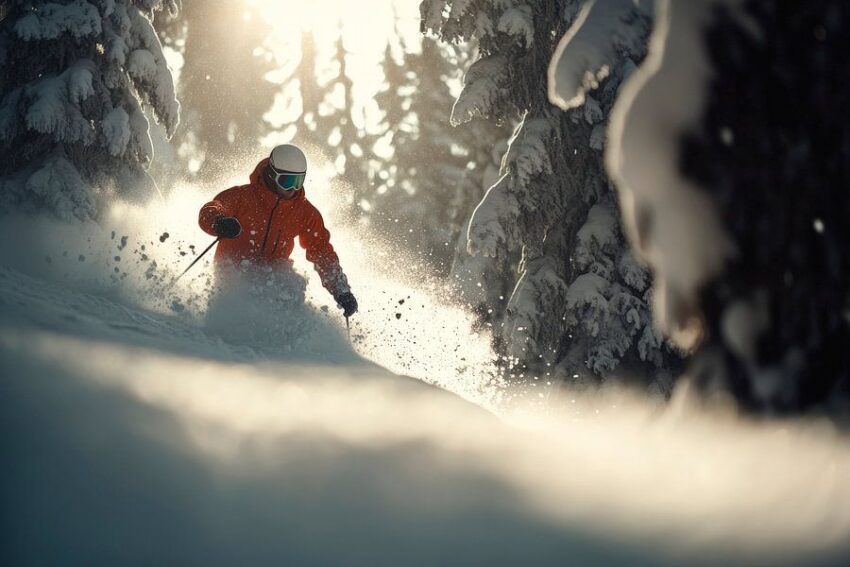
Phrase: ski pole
{"type": "Point", "coordinates": [201, 255]}
{"type": "Point", "coordinates": [348, 328]}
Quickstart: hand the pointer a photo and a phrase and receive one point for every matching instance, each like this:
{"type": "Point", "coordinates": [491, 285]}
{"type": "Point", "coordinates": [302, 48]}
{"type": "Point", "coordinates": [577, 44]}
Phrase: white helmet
{"type": "Point", "coordinates": [288, 158]}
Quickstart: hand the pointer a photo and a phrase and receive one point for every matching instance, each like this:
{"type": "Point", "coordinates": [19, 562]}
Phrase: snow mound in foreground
{"type": "Point", "coordinates": [137, 437]}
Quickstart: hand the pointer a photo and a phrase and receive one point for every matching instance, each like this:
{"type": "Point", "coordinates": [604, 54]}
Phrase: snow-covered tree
{"type": "Point", "coordinates": [483, 284]}
{"type": "Point", "coordinates": [75, 79]}
{"type": "Point", "coordinates": [318, 96]}
{"type": "Point", "coordinates": [421, 196]}
{"type": "Point", "coordinates": [579, 298]}
{"type": "Point", "coordinates": [301, 100]}
{"type": "Point", "coordinates": [223, 85]}
{"type": "Point", "coordinates": [345, 139]}
{"type": "Point", "coordinates": [309, 91]}
{"type": "Point", "coordinates": [731, 156]}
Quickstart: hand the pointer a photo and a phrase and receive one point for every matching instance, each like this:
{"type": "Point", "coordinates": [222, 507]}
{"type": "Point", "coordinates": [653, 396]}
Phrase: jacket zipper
{"type": "Point", "coordinates": [277, 241]}
{"type": "Point", "coordinates": [269, 225]}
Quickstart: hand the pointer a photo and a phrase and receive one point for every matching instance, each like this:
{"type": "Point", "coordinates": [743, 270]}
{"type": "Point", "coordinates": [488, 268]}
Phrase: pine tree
{"type": "Point", "coordinates": [309, 92]}
{"type": "Point", "coordinates": [579, 300]}
{"type": "Point", "coordinates": [393, 101]}
{"type": "Point", "coordinates": [171, 28]}
{"type": "Point", "coordinates": [223, 86]}
{"type": "Point", "coordinates": [344, 139]}
{"type": "Point", "coordinates": [483, 284]}
{"type": "Point", "coordinates": [172, 158]}
{"type": "Point", "coordinates": [324, 121]}
{"type": "Point", "coordinates": [422, 197]}
{"type": "Point", "coordinates": [755, 198]}
{"type": "Point", "coordinates": [75, 78]}
{"type": "Point", "coordinates": [415, 200]}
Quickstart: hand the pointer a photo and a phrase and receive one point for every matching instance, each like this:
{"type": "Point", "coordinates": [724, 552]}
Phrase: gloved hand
{"type": "Point", "coordinates": [348, 303]}
{"type": "Point", "coordinates": [227, 227]}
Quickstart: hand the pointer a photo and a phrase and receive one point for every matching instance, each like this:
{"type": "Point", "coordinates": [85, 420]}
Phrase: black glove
{"type": "Point", "coordinates": [347, 302]}
{"type": "Point", "coordinates": [227, 227]}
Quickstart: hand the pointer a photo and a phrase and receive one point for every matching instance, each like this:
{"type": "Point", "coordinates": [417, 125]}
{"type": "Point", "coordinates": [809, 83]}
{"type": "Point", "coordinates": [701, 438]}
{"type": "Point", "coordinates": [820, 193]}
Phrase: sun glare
{"type": "Point", "coordinates": [366, 28]}
{"type": "Point", "coordinates": [366, 24]}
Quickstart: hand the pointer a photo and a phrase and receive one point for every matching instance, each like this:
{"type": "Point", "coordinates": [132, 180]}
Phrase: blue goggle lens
{"type": "Point", "coordinates": [288, 181]}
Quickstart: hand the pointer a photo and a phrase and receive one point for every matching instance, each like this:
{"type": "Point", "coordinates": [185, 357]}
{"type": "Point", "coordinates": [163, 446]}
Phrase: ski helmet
{"type": "Point", "coordinates": [287, 168]}
{"type": "Point", "coordinates": [288, 158]}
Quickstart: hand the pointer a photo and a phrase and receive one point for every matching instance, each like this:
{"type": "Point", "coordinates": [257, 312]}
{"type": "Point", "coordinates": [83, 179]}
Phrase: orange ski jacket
{"type": "Point", "coordinates": [270, 225]}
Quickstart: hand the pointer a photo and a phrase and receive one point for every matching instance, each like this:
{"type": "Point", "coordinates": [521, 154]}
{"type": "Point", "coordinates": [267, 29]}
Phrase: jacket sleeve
{"type": "Point", "coordinates": [222, 206]}
{"type": "Point", "coordinates": [316, 241]}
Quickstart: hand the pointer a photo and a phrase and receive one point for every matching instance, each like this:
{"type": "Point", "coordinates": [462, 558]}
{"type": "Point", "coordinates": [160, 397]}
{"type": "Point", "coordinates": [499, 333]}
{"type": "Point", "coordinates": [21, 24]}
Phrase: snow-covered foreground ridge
{"type": "Point", "coordinates": [133, 433]}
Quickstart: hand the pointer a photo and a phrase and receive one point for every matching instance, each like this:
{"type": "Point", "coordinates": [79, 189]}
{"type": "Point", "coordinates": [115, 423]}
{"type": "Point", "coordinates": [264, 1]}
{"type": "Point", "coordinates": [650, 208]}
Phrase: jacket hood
{"type": "Point", "coordinates": [258, 182]}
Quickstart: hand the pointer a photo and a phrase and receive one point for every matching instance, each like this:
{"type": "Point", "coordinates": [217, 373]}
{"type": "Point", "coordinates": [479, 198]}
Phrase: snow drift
{"type": "Point", "coordinates": [139, 435]}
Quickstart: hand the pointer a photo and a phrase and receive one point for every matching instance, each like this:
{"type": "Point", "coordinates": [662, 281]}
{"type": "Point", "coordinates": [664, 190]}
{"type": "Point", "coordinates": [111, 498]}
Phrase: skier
{"type": "Point", "coordinates": [258, 223]}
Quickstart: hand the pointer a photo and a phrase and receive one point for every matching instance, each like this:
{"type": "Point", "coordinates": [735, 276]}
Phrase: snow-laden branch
{"type": "Point", "coordinates": [602, 33]}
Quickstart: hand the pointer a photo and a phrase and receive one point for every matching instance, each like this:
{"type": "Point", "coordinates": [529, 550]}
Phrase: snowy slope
{"type": "Point", "coordinates": [133, 433]}
{"type": "Point", "coordinates": [138, 437]}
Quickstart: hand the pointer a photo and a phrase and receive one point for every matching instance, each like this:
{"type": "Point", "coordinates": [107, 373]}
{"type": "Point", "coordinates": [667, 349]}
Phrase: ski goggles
{"type": "Point", "coordinates": [286, 180]}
